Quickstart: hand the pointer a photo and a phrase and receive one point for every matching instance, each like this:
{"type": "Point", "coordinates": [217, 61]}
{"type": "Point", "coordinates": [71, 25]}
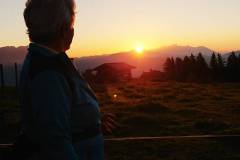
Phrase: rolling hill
{"type": "Point", "coordinates": [151, 59]}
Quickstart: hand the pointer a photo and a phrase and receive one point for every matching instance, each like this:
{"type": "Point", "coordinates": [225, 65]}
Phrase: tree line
{"type": "Point", "coordinates": [197, 69]}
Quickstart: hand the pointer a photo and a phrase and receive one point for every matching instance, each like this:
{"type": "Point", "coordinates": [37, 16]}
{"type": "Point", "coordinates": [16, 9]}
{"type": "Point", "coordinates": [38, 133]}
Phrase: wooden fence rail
{"type": "Point", "coordinates": [16, 75]}
{"type": "Point", "coordinates": [2, 75]}
{"type": "Point", "coordinates": [2, 81]}
{"type": "Point", "coordinates": [160, 138]}
{"type": "Point", "coordinates": [171, 138]}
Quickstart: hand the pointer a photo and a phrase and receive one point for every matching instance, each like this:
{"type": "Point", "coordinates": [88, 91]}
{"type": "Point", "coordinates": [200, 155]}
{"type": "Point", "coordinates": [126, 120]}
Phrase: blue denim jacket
{"type": "Point", "coordinates": [49, 117]}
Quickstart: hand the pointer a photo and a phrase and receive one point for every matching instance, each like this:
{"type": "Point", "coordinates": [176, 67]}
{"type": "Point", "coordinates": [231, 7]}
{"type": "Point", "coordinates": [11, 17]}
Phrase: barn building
{"type": "Point", "coordinates": [113, 72]}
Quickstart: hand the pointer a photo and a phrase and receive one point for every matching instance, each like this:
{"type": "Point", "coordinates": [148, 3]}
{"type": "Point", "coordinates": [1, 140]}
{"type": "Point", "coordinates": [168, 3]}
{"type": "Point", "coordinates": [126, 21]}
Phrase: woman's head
{"type": "Point", "coordinates": [50, 21]}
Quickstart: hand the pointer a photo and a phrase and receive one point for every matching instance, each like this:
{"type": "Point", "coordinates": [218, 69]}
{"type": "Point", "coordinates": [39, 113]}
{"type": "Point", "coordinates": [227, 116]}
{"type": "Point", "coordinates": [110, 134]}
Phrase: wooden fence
{"type": "Point", "coordinates": [3, 79]}
{"type": "Point", "coordinates": [8, 147]}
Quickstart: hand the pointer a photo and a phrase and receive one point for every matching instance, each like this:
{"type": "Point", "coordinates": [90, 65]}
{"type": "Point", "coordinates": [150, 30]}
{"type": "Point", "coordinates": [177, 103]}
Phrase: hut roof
{"type": "Point", "coordinates": [115, 66]}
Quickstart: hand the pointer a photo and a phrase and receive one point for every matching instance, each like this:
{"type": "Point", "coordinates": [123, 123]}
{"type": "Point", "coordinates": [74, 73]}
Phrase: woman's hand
{"type": "Point", "coordinates": [108, 123]}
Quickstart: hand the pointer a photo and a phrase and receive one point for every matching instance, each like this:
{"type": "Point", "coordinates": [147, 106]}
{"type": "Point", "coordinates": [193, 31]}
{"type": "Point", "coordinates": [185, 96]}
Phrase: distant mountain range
{"type": "Point", "coordinates": [228, 54]}
{"type": "Point", "coordinates": [151, 59]}
{"type": "Point", "coordinates": [10, 55]}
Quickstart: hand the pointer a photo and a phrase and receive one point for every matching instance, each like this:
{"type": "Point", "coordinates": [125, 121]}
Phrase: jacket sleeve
{"type": "Point", "coordinates": [51, 102]}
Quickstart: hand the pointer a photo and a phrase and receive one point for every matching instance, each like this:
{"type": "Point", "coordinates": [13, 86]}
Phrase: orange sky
{"type": "Point", "coordinates": [109, 26]}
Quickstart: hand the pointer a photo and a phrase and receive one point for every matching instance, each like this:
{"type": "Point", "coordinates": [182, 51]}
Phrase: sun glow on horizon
{"type": "Point", "coordinates": [139, 49]}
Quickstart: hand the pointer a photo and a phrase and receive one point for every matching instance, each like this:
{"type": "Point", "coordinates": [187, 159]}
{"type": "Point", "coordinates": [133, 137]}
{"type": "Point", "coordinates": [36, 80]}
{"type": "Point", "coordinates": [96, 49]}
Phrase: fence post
{"type": "Point", "coordinates": [2, 119]}
{"type": "Point", "coordinates": [16, 75]}
{"type": "Point", "coordinates": [2, 81]}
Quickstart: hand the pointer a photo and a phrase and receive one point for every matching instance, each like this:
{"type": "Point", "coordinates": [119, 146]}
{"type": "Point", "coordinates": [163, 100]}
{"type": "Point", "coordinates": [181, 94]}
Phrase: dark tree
{"type": "Point", "coordinates": [192, 59]}
{"type": "Point", "coordinates": [238, 59]}
{"type": "Point", "coordinates": [213, 62]}
{"type": "Point", "coordinates": [232, 67]}
{"type": "Point", "coordinates": [186, 60]}
{"type": "Point", "coordinates": [214, 66]}
{"type": "Point", "coordinates": [179, 69]}
{"type": "Point", "coordinates": [202, 62]}
{"type": "Point", "coordinates": [196, 69]}
{"type": "Point", "coordinates": [232, 61]}
{"type": "Point", "coordinates": [201, 68]}
{"type": "Point", "coordinates": [220, 62]}
{"type": "Point", "coordinates": [220, 68]}
{"type": "Point", "coordinates": [192, 76]}
{"type": "Point", "coordinates": [186, 67]}
{"type": "Point", "coordinates": [239, 66]}
{"type": "Point", "coordinates": [168, 65]}
{"type": "Point", "coordinates": [169, 68]}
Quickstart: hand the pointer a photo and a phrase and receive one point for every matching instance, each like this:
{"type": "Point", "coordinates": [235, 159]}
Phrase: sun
{"type": "Point", "coordinates": [139, 49]}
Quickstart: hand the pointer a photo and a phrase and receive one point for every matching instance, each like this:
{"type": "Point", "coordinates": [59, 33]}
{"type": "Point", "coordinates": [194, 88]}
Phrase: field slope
{"type": "Point", "coordinates": [163, 109]}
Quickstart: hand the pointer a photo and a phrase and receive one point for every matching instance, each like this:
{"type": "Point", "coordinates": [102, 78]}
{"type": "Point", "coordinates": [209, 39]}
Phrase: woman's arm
{"type": "Point", "coordinates": [51, 102]}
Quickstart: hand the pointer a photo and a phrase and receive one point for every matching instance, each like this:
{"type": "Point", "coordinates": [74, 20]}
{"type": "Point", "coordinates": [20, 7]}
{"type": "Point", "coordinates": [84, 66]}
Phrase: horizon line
{"type": "Point", "coordinates": [223, 51]}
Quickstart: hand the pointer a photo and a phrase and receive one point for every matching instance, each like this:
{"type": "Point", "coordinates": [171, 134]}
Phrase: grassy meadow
{"type": "Point", "coordinates": [144, 108]}
{"type": "Point", "coordinates": [173, 109]}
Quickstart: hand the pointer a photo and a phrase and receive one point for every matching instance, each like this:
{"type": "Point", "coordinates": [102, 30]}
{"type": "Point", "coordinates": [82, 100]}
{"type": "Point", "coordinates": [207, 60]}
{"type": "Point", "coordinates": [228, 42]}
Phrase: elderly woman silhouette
{"type": "Point", "coordinates": [60, 113]}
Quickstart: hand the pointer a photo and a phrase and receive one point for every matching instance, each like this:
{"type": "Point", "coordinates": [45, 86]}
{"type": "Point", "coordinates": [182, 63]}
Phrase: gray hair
{"type": "Point", "coordinates": [46, 19]}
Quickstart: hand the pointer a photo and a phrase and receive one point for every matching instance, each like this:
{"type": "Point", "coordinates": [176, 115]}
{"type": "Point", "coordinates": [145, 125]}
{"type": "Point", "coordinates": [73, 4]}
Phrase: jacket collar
{"type": "Point", "coordinates": [35, 48]}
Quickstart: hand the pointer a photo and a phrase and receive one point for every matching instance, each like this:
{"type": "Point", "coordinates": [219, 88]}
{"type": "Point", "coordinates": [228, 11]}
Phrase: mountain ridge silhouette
{"type": "Point", "coordinates": [151, 59]}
